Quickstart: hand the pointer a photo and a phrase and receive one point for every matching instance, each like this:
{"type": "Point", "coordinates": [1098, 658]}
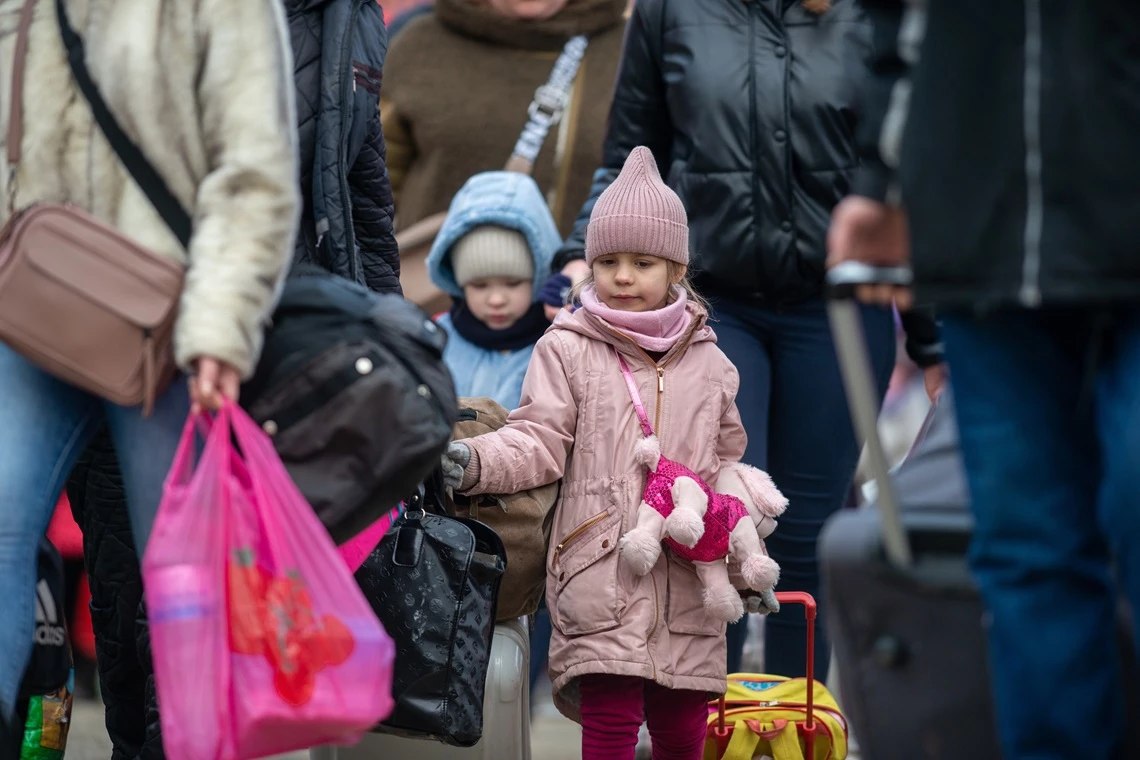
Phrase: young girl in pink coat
{"type": "Point", "coordinates": [624, 648]}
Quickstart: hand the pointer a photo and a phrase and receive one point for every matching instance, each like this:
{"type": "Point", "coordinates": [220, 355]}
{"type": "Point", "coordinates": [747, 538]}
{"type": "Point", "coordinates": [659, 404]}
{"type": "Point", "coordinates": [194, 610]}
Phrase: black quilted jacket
{"type": "Point", "coordinates": [750, 108]}
{"type": "Point", "coordinates": [122, 646]}
{"type": "Point", "coordinates": [346, 227]}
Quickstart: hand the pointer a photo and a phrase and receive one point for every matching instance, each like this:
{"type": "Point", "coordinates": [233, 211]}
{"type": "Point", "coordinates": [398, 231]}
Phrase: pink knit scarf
{"type": "Point", "coordinates": [656, 330]}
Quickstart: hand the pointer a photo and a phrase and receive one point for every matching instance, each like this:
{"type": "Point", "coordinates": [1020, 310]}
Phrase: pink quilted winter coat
{"type": "Point", "coordinates": [576, 421]}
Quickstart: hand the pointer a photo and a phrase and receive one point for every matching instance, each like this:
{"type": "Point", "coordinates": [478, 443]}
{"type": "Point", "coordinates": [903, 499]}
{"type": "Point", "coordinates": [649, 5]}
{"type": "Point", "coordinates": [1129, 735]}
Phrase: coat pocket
{"type": "Point", "coordinates": [685, 613]}
{"type": "Point", "coordinates": [585, 591]}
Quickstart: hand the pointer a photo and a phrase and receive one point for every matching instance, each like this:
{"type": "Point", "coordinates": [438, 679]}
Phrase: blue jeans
{"type": "Point", "coordinates": [792, 403]}
{"type": "Point", "coordinates": [1049, 415]}
{"type": "Point", "coordinates": [539, 645]}
{"type": "Point", "coordinates": [44, 426]}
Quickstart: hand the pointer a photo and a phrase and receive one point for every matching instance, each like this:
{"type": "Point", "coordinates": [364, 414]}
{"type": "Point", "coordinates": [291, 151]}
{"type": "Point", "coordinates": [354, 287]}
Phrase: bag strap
{"type": "Point", "coordinates": [742, 745]}
{"type": "Point", "coordinates": [786, 743]}
{"type": "Point", "coordinates": [631, 384]}
{"type": "Point", "coordinates": [16, 92]}
{"type": "Point", "coordinates": [133, 159]}
{"type": "Point", "coordinates": [783, 740]}
{"type": "Point", "coordinates": [546, 109]}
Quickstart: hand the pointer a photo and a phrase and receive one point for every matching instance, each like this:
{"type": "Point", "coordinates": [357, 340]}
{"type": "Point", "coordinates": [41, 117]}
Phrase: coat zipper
{"type": "Point", "coordinates": [346, 108]}
{"type": "Point", "coordinates": [575, 534]}
{"type": "Point", "coordinates": [653, 630]}
{"type": "Point", "coordinates": [660, 368]}
{"type": "Point", "coordinates": [753, 9]}
{"type": "Point", "coordinates": [1030, 294]}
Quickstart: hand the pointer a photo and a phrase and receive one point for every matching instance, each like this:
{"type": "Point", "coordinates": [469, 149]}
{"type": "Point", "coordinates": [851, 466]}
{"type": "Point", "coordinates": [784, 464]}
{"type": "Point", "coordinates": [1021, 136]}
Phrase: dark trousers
{"type": "Point", "coordinates": [794, 409]}
{"type": "Point", "coordinates": [1049, 417]}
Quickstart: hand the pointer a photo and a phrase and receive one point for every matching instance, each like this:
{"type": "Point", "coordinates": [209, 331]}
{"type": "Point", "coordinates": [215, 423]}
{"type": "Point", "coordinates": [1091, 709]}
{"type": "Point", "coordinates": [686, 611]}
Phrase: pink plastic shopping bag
{"type": "Point", "coordinates": [262, 641]}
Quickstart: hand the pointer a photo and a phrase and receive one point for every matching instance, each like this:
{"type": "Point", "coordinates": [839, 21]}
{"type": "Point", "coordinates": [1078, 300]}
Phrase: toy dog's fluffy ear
{"type": "Point", "coordinates": [752, 486]}
{"type": "Point", "coordinates": [647, 451]}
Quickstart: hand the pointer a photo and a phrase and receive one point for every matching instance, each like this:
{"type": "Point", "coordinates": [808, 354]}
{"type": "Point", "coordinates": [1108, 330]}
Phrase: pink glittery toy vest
{"type": "Point", "coordinates": [724, 510]}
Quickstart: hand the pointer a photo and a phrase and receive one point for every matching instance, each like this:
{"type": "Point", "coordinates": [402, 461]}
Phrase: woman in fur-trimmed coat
{"type": "Point", "coordinates": [205, 91]}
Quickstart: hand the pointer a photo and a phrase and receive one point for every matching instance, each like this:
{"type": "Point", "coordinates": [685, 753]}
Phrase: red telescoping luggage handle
{"type": "Point", "coordinates": [808, 601]}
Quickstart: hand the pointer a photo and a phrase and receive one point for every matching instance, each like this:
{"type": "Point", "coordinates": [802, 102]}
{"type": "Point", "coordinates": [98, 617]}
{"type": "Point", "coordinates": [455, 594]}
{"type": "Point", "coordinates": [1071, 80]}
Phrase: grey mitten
{"type": "Point", "coordinates": [762, 603]}
{"type": "Point", "coordinates": [453, 462]}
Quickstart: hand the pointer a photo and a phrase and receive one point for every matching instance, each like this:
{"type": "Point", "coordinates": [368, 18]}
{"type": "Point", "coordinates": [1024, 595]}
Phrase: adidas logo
{"type": "Point", "coordinates": [49, 632]}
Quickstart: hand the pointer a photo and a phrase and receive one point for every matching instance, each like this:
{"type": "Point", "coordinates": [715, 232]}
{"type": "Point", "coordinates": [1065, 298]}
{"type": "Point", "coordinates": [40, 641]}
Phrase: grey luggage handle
{"type": "Point", "coordinates": [859, 384]}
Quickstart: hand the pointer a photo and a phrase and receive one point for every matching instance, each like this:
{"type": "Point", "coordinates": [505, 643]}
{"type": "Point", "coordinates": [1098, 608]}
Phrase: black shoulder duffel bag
{"type": "Point", "coordinates": [353, 391]}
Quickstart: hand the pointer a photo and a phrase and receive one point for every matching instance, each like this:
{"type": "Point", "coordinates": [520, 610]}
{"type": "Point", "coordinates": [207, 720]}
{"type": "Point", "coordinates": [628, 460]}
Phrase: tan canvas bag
{"type": "Point", "coordinates": [544, 112]}
{"type": "Point", "coordinates": [523, 520]}
{"type": "Point", "coordinates": [77, 298]}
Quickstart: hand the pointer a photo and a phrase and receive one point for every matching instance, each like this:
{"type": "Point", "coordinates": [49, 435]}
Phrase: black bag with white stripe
{"type": "Point", "coordinates": [50, 665]}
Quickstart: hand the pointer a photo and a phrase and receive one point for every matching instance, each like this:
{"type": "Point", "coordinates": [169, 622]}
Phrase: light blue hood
{"type": "Point", "coordinates": [506, 199]}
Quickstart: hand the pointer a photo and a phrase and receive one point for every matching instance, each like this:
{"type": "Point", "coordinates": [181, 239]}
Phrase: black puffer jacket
{"type": "Point", "coordinates": [346, 227]}
{"type": "Point", "coordinates": [749, 107]}
{"type": "Point", "coordinates": [126, 676]}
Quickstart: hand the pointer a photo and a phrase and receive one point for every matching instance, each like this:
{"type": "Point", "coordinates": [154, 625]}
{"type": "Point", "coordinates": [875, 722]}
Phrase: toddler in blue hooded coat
{"type": "Point", "coordinates": [492, 256]}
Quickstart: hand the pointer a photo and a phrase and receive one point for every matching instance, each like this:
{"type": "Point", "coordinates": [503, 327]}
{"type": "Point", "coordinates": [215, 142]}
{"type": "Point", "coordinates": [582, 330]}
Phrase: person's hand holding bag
{"type": "Point", "coordinates": [212, 384]}
{"type": "Point", "coordinates": [454, 462]}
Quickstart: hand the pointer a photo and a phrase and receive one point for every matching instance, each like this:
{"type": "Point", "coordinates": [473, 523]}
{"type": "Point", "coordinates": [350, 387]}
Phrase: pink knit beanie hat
{"type": "Point", "coordinates": [639, 213]}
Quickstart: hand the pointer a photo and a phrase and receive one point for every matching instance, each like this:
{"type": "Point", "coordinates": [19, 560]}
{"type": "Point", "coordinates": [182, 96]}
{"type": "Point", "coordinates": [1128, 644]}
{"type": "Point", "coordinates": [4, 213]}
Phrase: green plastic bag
{"type": "Point", "coordinates": [49, 718]}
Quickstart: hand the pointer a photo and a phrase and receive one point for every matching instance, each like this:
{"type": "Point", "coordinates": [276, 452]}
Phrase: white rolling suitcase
{"type": "Point", "coordinates": [506, 713]}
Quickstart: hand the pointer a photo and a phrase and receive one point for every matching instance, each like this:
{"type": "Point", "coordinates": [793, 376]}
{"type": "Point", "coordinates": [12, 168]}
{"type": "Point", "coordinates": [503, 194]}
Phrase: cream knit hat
{"type": "Point", "coordinates": [639, 213]}
{"type": "Point", "coordinates": [491, 251]}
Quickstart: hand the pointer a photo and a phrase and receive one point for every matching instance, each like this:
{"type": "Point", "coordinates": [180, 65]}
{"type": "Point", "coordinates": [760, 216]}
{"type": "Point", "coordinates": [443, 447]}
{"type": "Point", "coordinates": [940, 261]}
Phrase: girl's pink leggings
{"type": "Point", "coordinates": [614, 707]}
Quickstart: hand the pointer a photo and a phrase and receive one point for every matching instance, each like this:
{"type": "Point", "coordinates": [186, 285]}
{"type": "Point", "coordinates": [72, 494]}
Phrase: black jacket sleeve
{"type": "Point", "coordinates": [638, 116]}
{"type": "Point", "coordinates": [923, 338]}
{"type": "Point", "coordinates": [889, 69]}
{"type": "Point", "coordinates": [373, 209]}
{"type": "Point", "coordinates": [874, 177]}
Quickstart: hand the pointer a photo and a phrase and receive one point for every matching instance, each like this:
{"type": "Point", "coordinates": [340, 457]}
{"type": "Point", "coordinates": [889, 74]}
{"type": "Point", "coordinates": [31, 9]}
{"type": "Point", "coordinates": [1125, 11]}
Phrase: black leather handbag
{"type": "Point", "coordinates": [433, 582]}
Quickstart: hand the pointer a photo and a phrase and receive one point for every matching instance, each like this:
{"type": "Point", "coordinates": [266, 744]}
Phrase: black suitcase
{"type": "Point", "coordinates": [905, 618]}
{"type": "Point", "coordinates": [909, 642]}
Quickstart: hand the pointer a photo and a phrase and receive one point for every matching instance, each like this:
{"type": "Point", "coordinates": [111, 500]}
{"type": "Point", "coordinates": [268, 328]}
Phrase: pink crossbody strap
{"type": "Point", "coordinates": [631, 384]}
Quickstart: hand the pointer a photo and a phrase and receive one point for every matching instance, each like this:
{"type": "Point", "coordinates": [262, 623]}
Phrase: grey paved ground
{"type": "Point", "coordinates": [552, 736]}
{"type": "Point", "coordinates": [87, 739]}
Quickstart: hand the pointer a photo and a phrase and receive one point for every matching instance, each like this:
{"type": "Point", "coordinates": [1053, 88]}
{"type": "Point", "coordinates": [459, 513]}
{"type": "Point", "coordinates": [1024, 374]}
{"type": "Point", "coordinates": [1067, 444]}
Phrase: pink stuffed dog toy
{"type": "Point", "coordinates": [706, 526]}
